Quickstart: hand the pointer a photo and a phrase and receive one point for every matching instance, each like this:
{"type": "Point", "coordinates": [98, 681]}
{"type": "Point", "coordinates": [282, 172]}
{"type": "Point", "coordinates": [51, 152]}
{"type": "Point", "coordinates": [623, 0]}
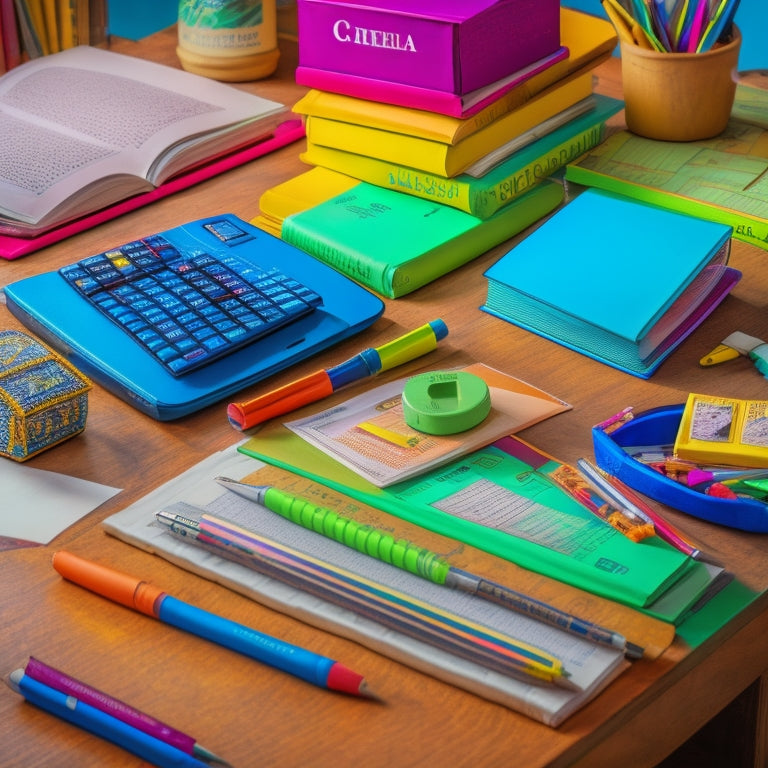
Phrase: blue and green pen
{"type": "Point", "coordinates": [325, 382]}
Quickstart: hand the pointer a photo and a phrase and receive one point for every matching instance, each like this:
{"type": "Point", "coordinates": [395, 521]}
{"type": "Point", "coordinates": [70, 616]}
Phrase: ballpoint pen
{"type": "Point", "coordinates": [63, 683]}
{"type": "Point", "coordinates": [146, 598]}
{"type": "Point", "coordinates": [323, 383]}
{"type": "Point", "coordinates": [73, 710]}
{"type": "Point", "coordinates": [421, 562]}
{"type": "Point", "coordinates": [390, 607]}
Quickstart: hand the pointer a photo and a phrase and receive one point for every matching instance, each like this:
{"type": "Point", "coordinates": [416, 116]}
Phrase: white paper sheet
{"type": "Point", "coordinates": [37, 505]}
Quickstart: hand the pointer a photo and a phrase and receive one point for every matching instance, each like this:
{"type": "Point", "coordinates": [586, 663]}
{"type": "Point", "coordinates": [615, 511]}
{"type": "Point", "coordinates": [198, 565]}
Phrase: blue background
{"type": "Point", "coordinates": [135, 19]}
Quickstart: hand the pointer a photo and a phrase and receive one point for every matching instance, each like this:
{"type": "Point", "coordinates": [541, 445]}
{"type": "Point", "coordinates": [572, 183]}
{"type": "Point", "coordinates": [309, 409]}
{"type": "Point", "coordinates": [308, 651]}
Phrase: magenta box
{"type": "Point", "coordinates": [456, 46]}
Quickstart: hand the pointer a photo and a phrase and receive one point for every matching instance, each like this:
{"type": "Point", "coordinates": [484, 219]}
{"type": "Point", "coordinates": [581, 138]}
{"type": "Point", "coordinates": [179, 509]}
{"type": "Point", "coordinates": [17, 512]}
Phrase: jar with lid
{"type": "Point", "coordinates": [231, 40]}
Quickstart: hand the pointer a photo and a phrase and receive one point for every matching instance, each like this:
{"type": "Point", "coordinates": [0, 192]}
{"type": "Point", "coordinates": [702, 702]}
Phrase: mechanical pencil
{"type": "Point", "coordinates": [325, 382]}
{"type": "Point", "coordinates": [421, 562]}
{"type": "Point", "coordinates": [70, 708]}
{"type": "Point", "coordinates": [63, 683]}
{"type": "Point", "coordinates": [374, 600]}
{"type": "Point", "coordinates": [146, 598]}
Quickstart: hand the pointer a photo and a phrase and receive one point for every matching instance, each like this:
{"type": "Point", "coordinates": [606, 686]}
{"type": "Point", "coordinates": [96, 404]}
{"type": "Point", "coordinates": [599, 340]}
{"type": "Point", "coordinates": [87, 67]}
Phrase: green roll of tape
{"type": "Point", "coordinates": [445, 402]}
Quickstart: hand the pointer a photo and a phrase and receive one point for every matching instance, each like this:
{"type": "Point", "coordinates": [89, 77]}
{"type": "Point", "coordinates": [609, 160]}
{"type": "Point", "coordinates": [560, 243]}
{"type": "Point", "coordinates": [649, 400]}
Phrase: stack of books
{"type": "Point", "coordinates": [401, 144]}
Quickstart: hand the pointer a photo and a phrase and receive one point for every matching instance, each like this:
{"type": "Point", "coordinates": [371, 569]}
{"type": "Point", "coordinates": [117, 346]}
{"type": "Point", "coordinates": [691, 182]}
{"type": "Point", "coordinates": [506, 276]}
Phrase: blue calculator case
{"type": "Point", "coordinates": [102, 351]}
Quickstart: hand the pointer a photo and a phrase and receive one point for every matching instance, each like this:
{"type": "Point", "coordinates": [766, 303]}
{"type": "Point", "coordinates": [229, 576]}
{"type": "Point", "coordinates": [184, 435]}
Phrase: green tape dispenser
{"type": "Point", "coordinates": [445, 402]}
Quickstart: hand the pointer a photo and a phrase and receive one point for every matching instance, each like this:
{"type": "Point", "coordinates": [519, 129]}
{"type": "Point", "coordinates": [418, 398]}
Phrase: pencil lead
{"type": "Point", "coordinates": [633, 651]}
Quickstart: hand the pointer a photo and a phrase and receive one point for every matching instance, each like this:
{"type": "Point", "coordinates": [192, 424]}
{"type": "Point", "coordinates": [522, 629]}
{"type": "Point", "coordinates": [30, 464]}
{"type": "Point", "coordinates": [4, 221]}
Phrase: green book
{"type": "Point", "coordinates": [394, 243]}
{"type": "Point", "coordinates": [481, 195]}
{"type": "Point", "coordinates": [543, 529]}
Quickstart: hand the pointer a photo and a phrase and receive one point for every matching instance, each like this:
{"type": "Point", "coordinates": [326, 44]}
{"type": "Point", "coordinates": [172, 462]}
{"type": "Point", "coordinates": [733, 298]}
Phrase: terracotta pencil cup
{"type": "Point", "coordinates": [679, 96]}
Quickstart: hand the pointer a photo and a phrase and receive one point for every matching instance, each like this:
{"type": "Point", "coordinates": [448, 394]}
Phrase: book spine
{"type": "Point", "coordinates": [371, 89]}
{"type": "Point", "coordinates": [465, 193]}
{"type": "Point", "coordinates": [350, 263]}
{"type": "Point", "coordinates": [749, 229]}
{"type": "Point", "coordinates": [384, 145]}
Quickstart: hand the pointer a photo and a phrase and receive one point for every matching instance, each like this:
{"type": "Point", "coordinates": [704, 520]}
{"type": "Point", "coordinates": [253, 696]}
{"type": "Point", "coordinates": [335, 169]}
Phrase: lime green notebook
{"type": "Point", "coordinates": [505, 485]}
{"type": "Point", "coordinates": [394, 243]}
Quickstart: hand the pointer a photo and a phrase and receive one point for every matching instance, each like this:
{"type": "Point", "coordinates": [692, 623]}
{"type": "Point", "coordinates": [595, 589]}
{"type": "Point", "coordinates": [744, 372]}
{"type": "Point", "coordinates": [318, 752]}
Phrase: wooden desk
{"type": "Point", "coordinates": [256, 716]}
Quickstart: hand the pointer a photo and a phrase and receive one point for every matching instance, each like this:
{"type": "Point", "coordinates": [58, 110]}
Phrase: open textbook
{"type": "Point", "coordinates": [85, 128]}
{"type": "Point", "coordinates": [593, 666]}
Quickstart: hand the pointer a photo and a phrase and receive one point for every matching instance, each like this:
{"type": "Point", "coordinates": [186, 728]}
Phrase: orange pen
{"type": "Point", "coordinates": [136, 593]}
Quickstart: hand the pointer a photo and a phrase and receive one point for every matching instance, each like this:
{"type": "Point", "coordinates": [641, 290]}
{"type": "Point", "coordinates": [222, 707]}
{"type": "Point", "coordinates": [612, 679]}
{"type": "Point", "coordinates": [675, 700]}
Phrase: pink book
{"type": "Point", "coordinates": [454, 46]}
{"type": "Point", "coordinates": [10, 36]}
{"type": "Point", "coordinates": [425, 99]}
{"type": "Point", "coordinates": [12, 247]}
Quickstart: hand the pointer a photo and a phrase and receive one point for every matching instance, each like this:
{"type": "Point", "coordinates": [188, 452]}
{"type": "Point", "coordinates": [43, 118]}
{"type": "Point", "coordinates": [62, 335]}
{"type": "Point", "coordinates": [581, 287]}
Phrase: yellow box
{"type": "Point", "coordinates": [724, 430]}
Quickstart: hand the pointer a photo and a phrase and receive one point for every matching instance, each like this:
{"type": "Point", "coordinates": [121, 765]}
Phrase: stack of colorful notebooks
{"type": "Point", "coordinates": [395, 148]}
{"type": "Point", "coordinates": [411, 181]}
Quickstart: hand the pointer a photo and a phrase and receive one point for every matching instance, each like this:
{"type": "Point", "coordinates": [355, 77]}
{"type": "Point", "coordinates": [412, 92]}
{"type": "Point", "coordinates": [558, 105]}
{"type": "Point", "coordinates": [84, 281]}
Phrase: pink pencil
{"type": "Point", "coordinates": [698, 24]}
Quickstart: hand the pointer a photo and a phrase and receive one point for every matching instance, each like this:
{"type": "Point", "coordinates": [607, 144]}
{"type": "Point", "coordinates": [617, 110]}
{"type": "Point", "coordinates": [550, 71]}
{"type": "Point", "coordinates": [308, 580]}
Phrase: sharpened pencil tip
{"type": "Point", "coordinates": [209, 757]}
{"type": "Point", "coordinates": [341, 678]}
{"type": "Point", "coordinates": [367, 693]}
{"type": "Point", "coordinates": [633, 651]}
{"type": "Point", "coordinates": [564, 681]}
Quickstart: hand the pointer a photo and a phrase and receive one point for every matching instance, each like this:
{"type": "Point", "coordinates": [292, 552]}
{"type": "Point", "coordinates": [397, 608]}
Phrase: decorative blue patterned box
{"type": "Point", "coordinates": [43, 399]}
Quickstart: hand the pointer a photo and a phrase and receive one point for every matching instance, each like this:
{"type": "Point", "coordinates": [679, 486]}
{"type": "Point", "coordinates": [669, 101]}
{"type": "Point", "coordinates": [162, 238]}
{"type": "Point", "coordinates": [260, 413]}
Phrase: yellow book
{"type": "Point", "coordinates": [723, 430]}
{"type": "Point", "coordinates": [51, 23]}
{"type": "Point", "coordinates": [37, 20]}
{"type": "Point", "coordinates": [439, 157]}
{"type": "Point", "coordinates": [484, 195]}
{"type": "Point", "coordinates": [66, 16]}
{"type": "Point", "coordinates": [301, 192]}
{"type": "Point", "coordinates": [589, 40]}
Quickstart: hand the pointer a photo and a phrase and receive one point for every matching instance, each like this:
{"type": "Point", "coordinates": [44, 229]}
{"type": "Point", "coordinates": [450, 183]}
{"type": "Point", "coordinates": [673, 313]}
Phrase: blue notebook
{"type": "Point", "coordinates": [615, 279]}
{"type": "Point", "coordinates": [219, 288]}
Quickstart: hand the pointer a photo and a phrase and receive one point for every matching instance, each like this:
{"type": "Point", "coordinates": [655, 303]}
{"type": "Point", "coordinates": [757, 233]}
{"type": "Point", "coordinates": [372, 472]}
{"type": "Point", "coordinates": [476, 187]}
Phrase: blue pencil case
{"type": "Point", "coordinates": [658, 426]}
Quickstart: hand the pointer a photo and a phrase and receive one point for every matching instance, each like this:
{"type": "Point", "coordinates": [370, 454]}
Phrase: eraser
{"type": "Point", "coordinates": [445, 402]}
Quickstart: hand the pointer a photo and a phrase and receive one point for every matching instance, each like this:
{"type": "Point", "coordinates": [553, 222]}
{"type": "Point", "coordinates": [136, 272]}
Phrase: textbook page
{"type": "Point", "coordinates": [86, 127]}
{"type": "Point", "coordinates": [592, 666]}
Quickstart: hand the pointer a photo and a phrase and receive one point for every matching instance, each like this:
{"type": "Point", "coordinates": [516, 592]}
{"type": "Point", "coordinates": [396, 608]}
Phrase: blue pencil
{"type": "Point", "coordinates": [99, 723]}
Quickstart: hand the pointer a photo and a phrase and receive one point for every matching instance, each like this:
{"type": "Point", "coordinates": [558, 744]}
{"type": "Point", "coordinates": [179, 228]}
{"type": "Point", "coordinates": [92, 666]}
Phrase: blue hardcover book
{"type": "Point", "coordinates": [84, 332]}
{"type": "Point", "coordinates": [617, 280]}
